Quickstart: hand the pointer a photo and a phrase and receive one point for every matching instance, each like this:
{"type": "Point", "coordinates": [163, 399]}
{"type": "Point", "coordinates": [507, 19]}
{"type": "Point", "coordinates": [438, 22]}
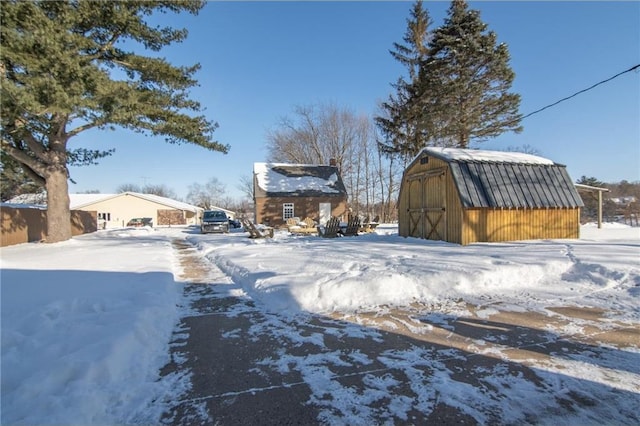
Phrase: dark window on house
{"type": "Point", "coordinates": [287, 211]}
{"type": "Point", "coordinates": [104, 216]}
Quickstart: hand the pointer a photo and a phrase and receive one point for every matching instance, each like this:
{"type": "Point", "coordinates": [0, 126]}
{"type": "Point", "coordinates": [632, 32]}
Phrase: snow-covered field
{"type": "Point", "coordinates": [86, 323]}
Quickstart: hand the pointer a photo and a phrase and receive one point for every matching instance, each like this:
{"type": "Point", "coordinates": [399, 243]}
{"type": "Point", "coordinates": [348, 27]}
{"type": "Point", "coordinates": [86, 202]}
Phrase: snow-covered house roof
{"type": "Point", "coordinates": [303, 180]}
{"type": "Point", "coordinates": [499, 179]}
{"type": "Point", "coordinates": [83, 200]}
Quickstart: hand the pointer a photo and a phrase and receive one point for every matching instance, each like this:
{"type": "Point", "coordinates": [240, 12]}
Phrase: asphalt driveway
{"type": "Point", "coordinates": [456, 364]}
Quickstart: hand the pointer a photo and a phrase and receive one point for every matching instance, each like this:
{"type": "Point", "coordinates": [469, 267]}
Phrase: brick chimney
{"type": "Point", "coordinates": [332, 162]}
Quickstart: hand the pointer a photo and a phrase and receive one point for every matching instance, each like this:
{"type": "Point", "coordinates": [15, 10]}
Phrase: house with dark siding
{"type": "Point", "coordinates": [282, 191]}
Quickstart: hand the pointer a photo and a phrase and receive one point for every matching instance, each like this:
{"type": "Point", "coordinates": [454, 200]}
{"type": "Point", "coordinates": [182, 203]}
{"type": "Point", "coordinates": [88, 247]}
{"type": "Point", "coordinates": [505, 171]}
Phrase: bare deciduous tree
{"type": "Point", "coordinates": [245, 185]}
{"type": "Point", "coordinates": [526, 149]}
{"type": "Point", "coordinates": [315, 134]}
{"type": "Point", "coordinates": [128, 187]}
{"type": "Point", "coordinates": [160, 190]}
{"type": "Point", "coordinates": [319, 133]}
{"type": "Point", "coordinates": [208, 195]}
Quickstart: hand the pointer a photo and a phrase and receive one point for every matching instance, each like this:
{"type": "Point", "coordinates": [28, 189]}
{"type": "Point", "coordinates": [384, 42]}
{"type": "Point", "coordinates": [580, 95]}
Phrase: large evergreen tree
{"type": "Point", "coordinates": [65, 69]}
{"type": "Point", "coordinates": [466, 81]}
{"type": "Point", "coordinates": [401, 120]}
{"type": "Point", "coordinates": [458, 86]}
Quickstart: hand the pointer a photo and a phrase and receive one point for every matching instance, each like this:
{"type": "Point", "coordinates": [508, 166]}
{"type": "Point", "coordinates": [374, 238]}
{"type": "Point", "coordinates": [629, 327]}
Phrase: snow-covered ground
{"type": "Point", "coordinates": [325, 275]}
{"type": "Point", "coordinates": [86, 323]}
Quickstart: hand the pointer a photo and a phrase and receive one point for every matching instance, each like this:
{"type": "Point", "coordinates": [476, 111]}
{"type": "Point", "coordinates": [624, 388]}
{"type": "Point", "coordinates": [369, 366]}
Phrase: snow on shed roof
{"type": "Point", "coordinates": [459, 154]}
{"type": "Point", "coordinates": [497, 179]}
{"type": "Point", "coordinates": [281, 179]}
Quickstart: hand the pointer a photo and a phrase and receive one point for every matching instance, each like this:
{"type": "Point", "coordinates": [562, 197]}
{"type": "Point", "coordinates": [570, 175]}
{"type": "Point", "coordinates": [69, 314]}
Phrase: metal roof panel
{"type": "Point", "coordinates": [509, 185]}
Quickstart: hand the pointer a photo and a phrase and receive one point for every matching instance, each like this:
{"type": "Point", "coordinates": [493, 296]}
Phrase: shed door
{"type": "Point", "coordinates": [427, 205]}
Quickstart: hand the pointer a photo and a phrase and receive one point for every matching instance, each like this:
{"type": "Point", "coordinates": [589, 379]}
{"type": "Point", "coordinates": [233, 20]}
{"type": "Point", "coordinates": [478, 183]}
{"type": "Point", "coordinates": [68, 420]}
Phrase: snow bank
{"type": "Point", "coordinates": [292, 274]}
{"type": "Point", "coordinates": [85, 328]}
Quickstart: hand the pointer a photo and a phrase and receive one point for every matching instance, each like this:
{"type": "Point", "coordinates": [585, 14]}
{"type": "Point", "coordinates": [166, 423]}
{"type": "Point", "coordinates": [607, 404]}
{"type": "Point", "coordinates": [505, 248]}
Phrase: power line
{"type": "Point", "coordinates": [581, 91]}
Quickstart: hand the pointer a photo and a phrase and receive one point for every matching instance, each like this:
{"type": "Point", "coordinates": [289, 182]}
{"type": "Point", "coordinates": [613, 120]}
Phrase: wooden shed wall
{"type": "Point", "coordinates": [425, 189]}
{"type": "Point", "coordinates": [455, 220]}
{"type": "Point", "coordinates": [492, 225]}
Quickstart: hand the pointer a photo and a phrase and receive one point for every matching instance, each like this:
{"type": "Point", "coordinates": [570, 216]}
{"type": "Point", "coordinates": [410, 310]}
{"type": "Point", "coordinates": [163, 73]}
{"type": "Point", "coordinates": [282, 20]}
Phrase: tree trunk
{"type": "Point", "coordinates": [58, 212]}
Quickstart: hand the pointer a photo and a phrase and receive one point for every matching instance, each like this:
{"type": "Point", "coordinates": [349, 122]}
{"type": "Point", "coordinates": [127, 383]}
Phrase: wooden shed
{"type": "Point", "coordinates": [465, 196]}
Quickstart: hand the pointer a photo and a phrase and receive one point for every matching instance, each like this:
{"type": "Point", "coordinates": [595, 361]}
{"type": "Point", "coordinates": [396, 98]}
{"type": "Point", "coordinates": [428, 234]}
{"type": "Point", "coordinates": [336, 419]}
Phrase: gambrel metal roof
{"type": "Point", "coordinates": [506, 179]}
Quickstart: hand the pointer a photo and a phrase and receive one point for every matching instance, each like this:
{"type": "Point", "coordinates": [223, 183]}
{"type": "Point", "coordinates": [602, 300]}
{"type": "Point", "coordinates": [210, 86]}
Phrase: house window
{"type": "Point", "coordinates": [287, 211]}
{"type": "Point", "coordinates": [104, 216]}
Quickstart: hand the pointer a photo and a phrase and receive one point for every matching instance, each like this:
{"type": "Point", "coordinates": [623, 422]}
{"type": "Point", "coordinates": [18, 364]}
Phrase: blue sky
{"type": "Point", "coordinates": [260, 59]}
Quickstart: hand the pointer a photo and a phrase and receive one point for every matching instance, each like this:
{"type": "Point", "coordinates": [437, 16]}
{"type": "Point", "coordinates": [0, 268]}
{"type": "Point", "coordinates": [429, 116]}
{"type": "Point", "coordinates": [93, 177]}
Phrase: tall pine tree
{"type": "Point", "coordinates": [458, 87]}
{"type": "Point", "coordinates": [70, 66]}
{"type": "Point", "coordinates": [465, 82]}
{"type": "Point", "coordinates": [401, 120]}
